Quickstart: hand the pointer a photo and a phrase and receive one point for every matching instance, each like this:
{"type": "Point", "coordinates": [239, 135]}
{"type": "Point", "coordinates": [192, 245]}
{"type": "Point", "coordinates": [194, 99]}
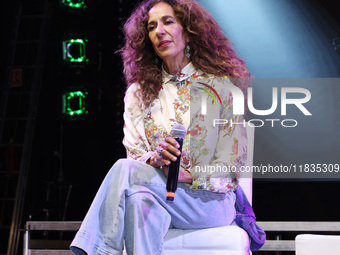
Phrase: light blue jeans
{"type": "Point", "coordinates": [131, 205]}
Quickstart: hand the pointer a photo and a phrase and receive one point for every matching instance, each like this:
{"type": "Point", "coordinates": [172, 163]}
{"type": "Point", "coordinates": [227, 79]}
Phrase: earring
{"type": "Point", "coordinates": [188, 51]}
{"type": "Point", "coordinates": [156, 61]}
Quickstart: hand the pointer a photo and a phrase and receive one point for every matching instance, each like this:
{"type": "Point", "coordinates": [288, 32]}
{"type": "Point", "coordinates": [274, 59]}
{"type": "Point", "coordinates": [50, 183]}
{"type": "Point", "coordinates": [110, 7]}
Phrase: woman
{"type": "Point", "coordinates": [178, 65]}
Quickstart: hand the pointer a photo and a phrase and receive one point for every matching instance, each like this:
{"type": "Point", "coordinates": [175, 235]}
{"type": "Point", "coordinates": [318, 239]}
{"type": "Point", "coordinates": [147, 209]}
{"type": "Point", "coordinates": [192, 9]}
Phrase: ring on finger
{"type": "Point", "coordinates": [160, 152]}
{"type": "Point", "coordinates": [167, 137]}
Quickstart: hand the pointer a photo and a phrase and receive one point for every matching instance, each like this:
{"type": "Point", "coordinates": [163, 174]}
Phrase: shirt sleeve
{"type": "Point", "coordinates": [135, 142]}
{"type": "Point", "coordinates": [222, 172]}
{"type": "Point", "coordinates": [230, 155]}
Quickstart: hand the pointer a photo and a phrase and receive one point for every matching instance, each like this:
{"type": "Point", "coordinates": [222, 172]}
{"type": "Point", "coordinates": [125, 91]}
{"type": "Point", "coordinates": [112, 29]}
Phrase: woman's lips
{"type": "Point", "coordinates": [163, 44]}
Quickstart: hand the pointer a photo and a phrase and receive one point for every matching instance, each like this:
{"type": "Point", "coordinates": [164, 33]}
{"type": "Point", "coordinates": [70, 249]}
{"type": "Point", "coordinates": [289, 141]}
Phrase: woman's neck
{"type": "Point", "coordinates": [173, 68]}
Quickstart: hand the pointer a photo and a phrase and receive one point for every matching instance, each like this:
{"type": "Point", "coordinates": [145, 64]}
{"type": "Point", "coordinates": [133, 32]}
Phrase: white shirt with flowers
{"type": "Point", "coordinates": [215, 150]}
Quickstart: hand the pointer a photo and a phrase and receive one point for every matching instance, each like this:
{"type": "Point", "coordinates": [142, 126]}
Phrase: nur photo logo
{"type": "Point", "coordinates": [285, 99]}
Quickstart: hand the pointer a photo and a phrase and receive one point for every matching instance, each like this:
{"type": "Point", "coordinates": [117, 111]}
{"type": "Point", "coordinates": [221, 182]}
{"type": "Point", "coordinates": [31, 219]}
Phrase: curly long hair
{"type": "Point", "coordinates": [210, 49]}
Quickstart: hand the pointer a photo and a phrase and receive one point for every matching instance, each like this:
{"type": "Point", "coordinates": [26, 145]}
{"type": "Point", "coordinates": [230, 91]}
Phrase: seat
{"type": "Point", "coordinates": [308, 244]}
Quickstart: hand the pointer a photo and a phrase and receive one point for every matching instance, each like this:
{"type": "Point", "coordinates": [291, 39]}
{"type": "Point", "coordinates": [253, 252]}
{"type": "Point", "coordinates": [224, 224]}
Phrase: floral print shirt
{"type": "Point", "coordinates": [216, 140]}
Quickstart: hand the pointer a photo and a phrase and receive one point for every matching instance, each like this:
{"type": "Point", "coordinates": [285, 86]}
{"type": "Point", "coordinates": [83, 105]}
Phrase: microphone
{"type": "Point", "coordinates": [178, 132]}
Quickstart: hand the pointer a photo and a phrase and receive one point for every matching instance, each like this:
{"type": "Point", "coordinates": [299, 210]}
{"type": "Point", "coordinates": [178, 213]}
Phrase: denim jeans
{"type": "Point", "coordinates": [131, 206]}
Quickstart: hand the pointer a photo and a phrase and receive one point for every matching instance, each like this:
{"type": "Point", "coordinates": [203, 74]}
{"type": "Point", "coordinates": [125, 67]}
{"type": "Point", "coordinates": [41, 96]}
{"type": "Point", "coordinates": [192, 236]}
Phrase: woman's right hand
{"type": "Point", "coordinates": [166, 152]}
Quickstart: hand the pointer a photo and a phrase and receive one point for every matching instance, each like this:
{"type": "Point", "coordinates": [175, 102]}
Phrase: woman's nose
{"type": "Point", "coordinates": [160, 30]}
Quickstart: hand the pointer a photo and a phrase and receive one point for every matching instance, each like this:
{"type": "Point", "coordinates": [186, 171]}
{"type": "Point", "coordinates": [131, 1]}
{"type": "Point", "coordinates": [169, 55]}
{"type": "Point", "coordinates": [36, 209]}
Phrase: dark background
{"type": "Point", "coordinates": [74, 156]}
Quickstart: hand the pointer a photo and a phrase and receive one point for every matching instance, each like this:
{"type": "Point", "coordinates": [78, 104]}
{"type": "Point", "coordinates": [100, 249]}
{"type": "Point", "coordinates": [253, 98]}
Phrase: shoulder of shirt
{"type": "Point", "coordinates": [133, 88]}
{"type": "Point", "coordinates": [202, 75]}
{"type": "Point", "coordinates": [213, 79]}
{"type": "Point", "coordinates": [133, 95]}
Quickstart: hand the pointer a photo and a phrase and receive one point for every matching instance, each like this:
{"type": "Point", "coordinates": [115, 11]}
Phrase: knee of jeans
{"type": "Point", "coordinates": [140, 199]}
{"type": "Point", "coordinates": [139, 206]}
{"type": "Point", "coordinates": [143, 204]}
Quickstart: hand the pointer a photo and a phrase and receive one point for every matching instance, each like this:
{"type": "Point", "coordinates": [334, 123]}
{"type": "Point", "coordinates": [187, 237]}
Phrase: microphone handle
{"type": "Point", "coordinates": [172, 181]}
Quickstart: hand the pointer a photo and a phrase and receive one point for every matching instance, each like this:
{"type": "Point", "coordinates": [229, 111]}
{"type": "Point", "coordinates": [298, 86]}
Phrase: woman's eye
{"type": "Point", "coordinates": [150, 28]}
{"type": "Point", "coordinates": [168, 22]}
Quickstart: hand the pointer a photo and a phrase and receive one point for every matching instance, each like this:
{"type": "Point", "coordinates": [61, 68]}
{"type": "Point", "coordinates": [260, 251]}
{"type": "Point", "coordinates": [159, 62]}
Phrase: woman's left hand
{"type": "Point", "coordinates": [183, 176]}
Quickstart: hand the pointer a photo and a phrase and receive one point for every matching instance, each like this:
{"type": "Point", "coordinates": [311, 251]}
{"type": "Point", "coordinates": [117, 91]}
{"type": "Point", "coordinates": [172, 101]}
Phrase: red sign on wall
{"type": "Point", "coordinates": [15, 79]}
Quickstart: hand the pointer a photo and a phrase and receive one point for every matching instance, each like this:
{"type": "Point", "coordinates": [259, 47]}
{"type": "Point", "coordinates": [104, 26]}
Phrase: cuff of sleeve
{"type": "Point", "coordinates": [144, 158]}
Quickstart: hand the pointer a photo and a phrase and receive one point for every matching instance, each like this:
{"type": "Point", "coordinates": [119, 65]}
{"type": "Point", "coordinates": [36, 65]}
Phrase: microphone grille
{"type": "Point", "coordinates": [178, 130]}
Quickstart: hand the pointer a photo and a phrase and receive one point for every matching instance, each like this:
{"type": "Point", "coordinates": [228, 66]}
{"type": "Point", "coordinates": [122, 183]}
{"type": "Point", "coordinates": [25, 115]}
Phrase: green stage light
{"type": "Point", "coordinates": [76, 4]}
{"type": "Point", "coordinates": [74, 51]}
{"type": "Point", "coordinates": [74, 104]}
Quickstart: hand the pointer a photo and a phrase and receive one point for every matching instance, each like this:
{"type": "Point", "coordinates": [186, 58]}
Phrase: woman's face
{"type": "Point", "coordinates": [166, 34]}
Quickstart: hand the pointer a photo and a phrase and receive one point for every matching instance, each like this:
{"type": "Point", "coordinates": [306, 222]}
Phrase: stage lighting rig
{"type": "Point", "coordinates": [74, 4]}
{"type": "Point", "coordinates": [74, 102]}
{"type": "Point", "coordinates": [74, 51]}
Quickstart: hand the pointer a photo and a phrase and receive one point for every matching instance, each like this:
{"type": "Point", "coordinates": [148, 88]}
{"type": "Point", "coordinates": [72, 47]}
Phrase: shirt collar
{"type": "Point", "coordinates": [186, 72]}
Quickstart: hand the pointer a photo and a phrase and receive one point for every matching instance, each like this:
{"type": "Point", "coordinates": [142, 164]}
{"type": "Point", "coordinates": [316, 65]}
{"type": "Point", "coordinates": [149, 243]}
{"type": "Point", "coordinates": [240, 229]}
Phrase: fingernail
{"type": "Point", "coordinates": [174, 158]}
